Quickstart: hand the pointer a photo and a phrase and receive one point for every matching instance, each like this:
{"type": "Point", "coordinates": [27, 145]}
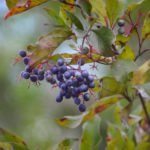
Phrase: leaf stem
{"type": "Point", "coordinates": [144, 108]}
{"type": "Point", "coordinates": [144, 51]}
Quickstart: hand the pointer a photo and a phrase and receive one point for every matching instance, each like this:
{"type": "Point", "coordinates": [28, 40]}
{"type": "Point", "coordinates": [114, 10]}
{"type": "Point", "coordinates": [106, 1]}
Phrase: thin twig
{"type": "Point", "coordinates": [144, 108]}
{"type": "Point", "coordinates": [144, 51]}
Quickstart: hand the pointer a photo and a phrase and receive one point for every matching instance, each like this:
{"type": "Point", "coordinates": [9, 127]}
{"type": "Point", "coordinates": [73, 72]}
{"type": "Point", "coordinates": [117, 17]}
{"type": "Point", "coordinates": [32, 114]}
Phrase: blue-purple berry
{"type": "Point", "coordinates": [60, 62]}
{"type": "Point", "coordinates": [91, 85]}
{"type": "Point", "coordinates": [67, 74]}
{"type": "Point", "coordinates": [77, 100]}
{"type": "Point", "coordinates": [26, 75]}
{"type": "Point", "coordinates": [41, 72]}
{"type": "Point", "coordinates": [26, 60]}
{"type": "Point", "coordinates": [90, 79]}
{"type": "Point", "coordinates": [63, 69]}
{"type": "Point", "coordinates": [40, 77]}
{"type": "Point", "coordinates": [82, 107]}
{"type": "Point", "coordinates": [35, 71]}
{"type": "Point", "coordinates": [121, 23]}
{"type": "Point", "coordinates": [59, 98]}
{"type": "Point", "coordinates": [86, 96]}
{"type": "Point", "coordinates": [33, 78]}
{"type": "Point", "coordinates": [22, 53]}
{"type": "Point", "coordinates": [83, 88]}
{"type": "Point", "coordinates": [28, 69]}
{"type": "Point", "coordinates": [85, 74]}
{"type": "Point", "coordinates": [54, 70]}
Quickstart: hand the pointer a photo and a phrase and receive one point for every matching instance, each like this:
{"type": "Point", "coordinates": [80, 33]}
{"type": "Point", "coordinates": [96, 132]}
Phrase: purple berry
{"type": "Point", "coordinates": [59, 98]}
{"type": "Point", "coordinates": [26, 60]}
{"type": "Point", "coordinates": [67, 95]}
{"type": "Point", "coordinates": [77, 100]}
{"type": "Point", "coordinates": [33, 78]}
{"type": "Point", "coordinates": [22, 53]}
{"type": "Point", "coordinates": [54, 70]}
{"type": "Point", "coordinates": [69, 82]}
{"type": "Point", "coordinates": [40, 77]}
{"type": "Point", "coordinates": [53, 81]}
{"type": "Point", "coordinates": [28, 69]}
{"type": "Point", "coordinates": [83, 88]}
{"type": "Point", "coordinates": [82, 107]}
{"type": "Point", "coordinates": [63, 69]}
{"type": "Point", "coordinates": [26, 75]}
{"type": "Point", "coordinates": [59, 77]}
{"type": "Point", "coordinates": [62, 92]}
{"type": "Point", "coordinates": [75, 82]}
{"type": "Point", "coordinates": [90, 79]}
{"type": "Point", "coordinates": [64, 86]}
{"type": "Point", "coordinates": [92, 85]}
{"type": "Point", "coordinates": [80, 62]}
{"type": "Point", "coordinates": [86, 96]}
{"type": "Point", "coordinates": [121, 23]}
{"type": "Point", "coordinates": [35, 71]}
{"type": "Point", "coordinates": [60, 62]}
{"type": "Point", "coordinates": [67, 74]}
{"type": "Point", "coordinates": [85, 74]}
{"type": "Point", "coordinates": [41, 72]}
{"type": "Point", "coordinates": [49, 78]}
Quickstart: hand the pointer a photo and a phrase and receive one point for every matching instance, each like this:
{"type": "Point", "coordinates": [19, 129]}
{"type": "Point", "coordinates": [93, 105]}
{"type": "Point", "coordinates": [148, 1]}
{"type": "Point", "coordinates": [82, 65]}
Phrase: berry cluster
{"type": "Point", "coordinates": [33, 74]}
{"type": "Point", "coordinates": [72, 83]}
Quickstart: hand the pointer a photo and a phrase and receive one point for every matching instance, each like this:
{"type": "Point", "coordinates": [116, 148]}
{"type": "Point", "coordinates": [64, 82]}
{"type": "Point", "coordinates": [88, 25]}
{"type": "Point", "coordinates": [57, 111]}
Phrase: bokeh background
{"type": "Point", "coordinates": [30, 113]}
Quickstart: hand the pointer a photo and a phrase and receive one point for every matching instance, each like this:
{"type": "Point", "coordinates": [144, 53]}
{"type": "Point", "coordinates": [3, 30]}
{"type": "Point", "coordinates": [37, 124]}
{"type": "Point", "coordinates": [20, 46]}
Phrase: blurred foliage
{"type": "Point", "coordinates": [119, 119]}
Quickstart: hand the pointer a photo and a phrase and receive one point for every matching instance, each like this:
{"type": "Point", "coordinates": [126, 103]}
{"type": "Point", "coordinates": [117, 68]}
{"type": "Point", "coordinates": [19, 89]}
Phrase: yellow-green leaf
{"type": "Point", "coordinates": [11, 3]}
{"type": "Point", "coordinates": [91, 134]}
{"type": "Point", "coordinates": [146, 27]}
{"type": "Point", "coordinates": [141, 75]}
{"type": "Point", "coordinates": [98, 6]}
{"type": "Point", "coordinates": [6, 136]}
{"type": "Point", "coordinates": [46, 45]}
{"type": "Point", "coordinates": [127, 53]}
{"type": "Point", "coordinates": [101, 105]}
{"type": "Point", "coordinates": [112, 7]}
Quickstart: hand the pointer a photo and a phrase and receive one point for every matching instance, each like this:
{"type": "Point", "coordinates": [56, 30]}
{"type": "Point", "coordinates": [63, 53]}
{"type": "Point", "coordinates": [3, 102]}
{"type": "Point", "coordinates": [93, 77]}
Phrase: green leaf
{"type": "Point", "coordinates": [140, 76]}
{"type": "Point", "coordinates": [91, 134]}
{"type": "Point", "coordinates": [122, 68]}
{"type": "Point", "coordinates": [127, 53]}
{"type": "Point", "coordinates": [98, 6]}
{"type": "Point", "coordinates": [5, 146]}
{"type": "Point", "coordinates": [104, 37]}
{"type": "Point", "coordinates": [112, 7]}
{"type": "Point", "coordinates": [46, 45]}
{"type": "Point", "coordinates": [74, 20]}
{"type": "Point", "coordinates": [110, 87]}
{"type": "Point", "coordinates": [71, 121]}
{"type": "Point", "coordinates": [86, 6]}
{"type": "Point", "coordinates": [97, 86]}
{"type": "Point", "coordinates": [66, 144]}
{"type": "Point", "coordinates": [11, 3]}
{"type": "Point", "coordinates": [64, 7]}
{"type": "Point", "coordinates": [23, 6]}
{"type": "Point", "coordinates": [54, 15]}
{"type": "Point", "coordinates": [146, 27]}
{"type": "Point", "coordinates": [6, 136]}
{"type": "Point", "coordinates": [143, 146]}
{"type": "Point", "coordinates": [75, 121]}
{"type": "Point", "coordinates": [122, 40]}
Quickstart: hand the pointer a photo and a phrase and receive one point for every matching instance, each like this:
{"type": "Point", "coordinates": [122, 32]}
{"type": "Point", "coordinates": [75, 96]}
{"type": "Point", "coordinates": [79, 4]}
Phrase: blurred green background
{"type": "Point", "coordinates": [28, 113]}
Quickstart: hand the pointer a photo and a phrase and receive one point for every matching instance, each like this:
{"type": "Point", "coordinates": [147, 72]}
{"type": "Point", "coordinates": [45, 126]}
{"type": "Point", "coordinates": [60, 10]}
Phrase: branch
{"type": "Point", "coordinates": [144, 51]}
{"type": "Point", "coordinates": [144, 108]}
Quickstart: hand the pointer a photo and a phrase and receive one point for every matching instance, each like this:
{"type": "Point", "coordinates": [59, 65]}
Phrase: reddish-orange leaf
{"type": "Point", "coordinates": [21, 7]}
